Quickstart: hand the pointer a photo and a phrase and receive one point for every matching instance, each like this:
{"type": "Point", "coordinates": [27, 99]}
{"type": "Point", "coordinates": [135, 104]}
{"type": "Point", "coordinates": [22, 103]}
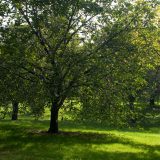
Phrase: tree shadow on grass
{"type": "Point", "coordinates": [103, 127]}
{"type": "Point", "coordinates": [69, 125]}
{"type": "Point", "coordinates": [17, 143]}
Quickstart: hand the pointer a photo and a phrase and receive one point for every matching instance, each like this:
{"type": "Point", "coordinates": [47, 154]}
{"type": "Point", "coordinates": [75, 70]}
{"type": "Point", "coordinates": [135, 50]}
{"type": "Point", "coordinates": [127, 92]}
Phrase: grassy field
{"type": "Point", "coordinates": [22, 140]}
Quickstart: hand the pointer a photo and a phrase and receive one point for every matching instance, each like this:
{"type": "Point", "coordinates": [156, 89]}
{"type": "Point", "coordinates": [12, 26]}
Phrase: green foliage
{"type": "Point", "coordinates": [92, 52]}
{"type": "Point", "coordinates": [4, 111]}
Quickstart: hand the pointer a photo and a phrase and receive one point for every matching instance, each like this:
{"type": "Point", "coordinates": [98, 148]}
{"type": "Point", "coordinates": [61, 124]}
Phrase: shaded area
{"type": "Point", "coordinates": [19, 141]}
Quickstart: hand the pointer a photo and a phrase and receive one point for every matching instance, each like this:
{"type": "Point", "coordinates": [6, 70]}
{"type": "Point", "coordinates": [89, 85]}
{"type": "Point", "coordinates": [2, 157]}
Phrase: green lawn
{"type": "Point", "coordinates": [21, 140]}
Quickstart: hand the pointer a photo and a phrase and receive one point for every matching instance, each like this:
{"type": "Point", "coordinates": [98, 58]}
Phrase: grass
{"type": "Point", "coordinates": [21, 140]}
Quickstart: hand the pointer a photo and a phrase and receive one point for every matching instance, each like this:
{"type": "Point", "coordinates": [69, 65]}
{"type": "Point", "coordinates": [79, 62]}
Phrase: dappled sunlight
{"type": "Point", "coordinates": [20, 140]}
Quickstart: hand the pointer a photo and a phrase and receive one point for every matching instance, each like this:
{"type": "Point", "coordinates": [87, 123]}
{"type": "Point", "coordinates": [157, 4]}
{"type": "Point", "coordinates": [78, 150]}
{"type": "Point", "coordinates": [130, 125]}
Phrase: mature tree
{"type": "Point", "coordinates": [68, 42]}
{"type": "Point", "coordinates": [61, 29]}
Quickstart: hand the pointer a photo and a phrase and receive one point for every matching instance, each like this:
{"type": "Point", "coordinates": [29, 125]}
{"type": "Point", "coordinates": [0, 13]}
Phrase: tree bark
{"type": "Point", "coordinates": [54, 119]}
{"type": "Point", "coordinates": [15, 110]}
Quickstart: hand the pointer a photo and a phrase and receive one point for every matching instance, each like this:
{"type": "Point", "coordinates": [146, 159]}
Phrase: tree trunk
{"type": "Point", "coordinates": [15, 110]}
{"type": "Point", "coordinates": [131, 102]}
{"type": "Point", "coordinates": [152, 103]}
{"type": "Point", "coordinates": [54, 118]}
{"type": "Point", "coordinates": [132, 119]}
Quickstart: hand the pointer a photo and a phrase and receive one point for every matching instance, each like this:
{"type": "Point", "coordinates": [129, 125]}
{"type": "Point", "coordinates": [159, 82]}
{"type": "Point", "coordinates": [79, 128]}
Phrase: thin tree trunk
{"type": "Point", "coordinates": [54, 118]}
{"type": "Point", "coordinates": [132, 119]}
{"type": "Point", "coordinates": [152, 103]}
{"type": "Point", "coordinates": [15, 110]}
{"type": "Point", "coordinates": [131, 102]}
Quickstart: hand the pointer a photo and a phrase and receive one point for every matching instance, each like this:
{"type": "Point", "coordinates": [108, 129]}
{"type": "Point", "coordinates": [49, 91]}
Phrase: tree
{"type": "Point", "coordinates": [66, 52]}
{"type": "Point", "coordinates": [14, 81]}
{"type": "Point", "coordinates": [125, 61]}
{"type": "Point", "coordinates": [62, 61]}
